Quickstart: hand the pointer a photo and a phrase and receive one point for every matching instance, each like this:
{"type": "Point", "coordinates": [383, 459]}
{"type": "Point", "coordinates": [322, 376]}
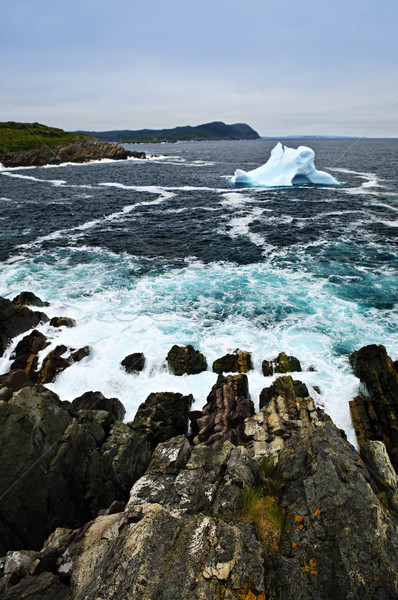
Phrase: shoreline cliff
{"type": "Point", "coordinates": [222, 503]}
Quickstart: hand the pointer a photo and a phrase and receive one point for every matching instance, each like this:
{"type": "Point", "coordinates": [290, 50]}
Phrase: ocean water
{"type": "Point", "coordinates": [146, 254]}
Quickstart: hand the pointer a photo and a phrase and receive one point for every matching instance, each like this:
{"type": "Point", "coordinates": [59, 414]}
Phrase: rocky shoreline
{"type": "Point", "coordinates": [222, 503]}
{"type": "Point", "coordinates": [78, 152]}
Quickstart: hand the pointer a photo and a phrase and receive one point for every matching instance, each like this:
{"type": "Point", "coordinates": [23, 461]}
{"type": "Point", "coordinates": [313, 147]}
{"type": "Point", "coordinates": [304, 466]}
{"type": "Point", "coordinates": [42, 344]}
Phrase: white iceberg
{"type": "Point", "coordinates": [285, 167]}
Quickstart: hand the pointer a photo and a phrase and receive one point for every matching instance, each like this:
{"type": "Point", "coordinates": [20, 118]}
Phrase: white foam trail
{"type": "Point", "coordinates": [116, 216]}
{"type": "Point", "coordinates": [55, 182]}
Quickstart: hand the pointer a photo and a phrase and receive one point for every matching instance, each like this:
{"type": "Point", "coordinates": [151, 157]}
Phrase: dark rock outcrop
{"type": "Point", "coordinates": [227, 407]}
{"type": "Point", "coordinates": [59, 467]}
{"type": "Point", "coordinates": [185, 359]}
{"type": "Point", "coordinates": [238, 362]}
{"type": "Point", "coordinates": [375, 412]}
{"type": "Point", "coordinates": [54, 363]}
{"type": "Point", "coordinates": [281, 364]}
{"type": "Point", "coordinates": [78, 152]}
{"type": "Point", "coordinates": [134, 363]}
{"type": "Point", "coordinates": [15, 319]}
{"type": "Point", "coordinates": [62, 322]}
{"type": "Point", "coordinates": [284, 407]}
{"type": "Point", "coordinates": [29, 299]}
{"type": "Point", "coordinates": [26, 353]}
{"type": "Point", "coordinates": [97, 401]}
{"type": "Point", "coordinates": [286, 387]}
{"type": "Point", "coordinates": [162, 416]}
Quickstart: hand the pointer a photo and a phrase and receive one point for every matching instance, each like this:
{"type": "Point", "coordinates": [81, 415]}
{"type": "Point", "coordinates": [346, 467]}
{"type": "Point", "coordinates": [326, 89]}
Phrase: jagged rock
{"type": "Point", "coordinates": [284, 407]}
{"type": "Point", "coordinates": [45, 587]}
{"type": "Point", "coordinates": [375, 415]}
{"type": "Point", "coordinates": [15, 319]}
{"type": "Point", "coordinates": [286, 387]}
{"type": "Point", "coordinates": [239, 362]}
{"type": "Point", "coordinates": [206, 479]}
{"type": "Point", "coordinates": [62, 322]}
{"type": "Point", "coordinates": [29, 299]}
{"type": "Point", "coordinates": [338, 540]}
{"type": "Point", "coordinates": [97, 401]}
{"type": "Point", "coordinates": [26, 353]}
{"type": "Point", "coordinates": [194, 415]}
{"type": "Point", "coordinates": [185, 359]}
{"type": "Point", "coordinates": [227, 407]}
{"type": "Point", "coordinates": [134, 363]}
{"type": "Point", "coordinates": [54, 363]}
{"type": "Point", "coordinates": [12, 382]}
{"type": "Point", "coordinates": [281, 364]}
{"type": "Point", "coordinates": [59, 467]}
{"type": "Point", "coordinates": [162, 416]}
{"type": "Point", "coordinates": [162, 556]}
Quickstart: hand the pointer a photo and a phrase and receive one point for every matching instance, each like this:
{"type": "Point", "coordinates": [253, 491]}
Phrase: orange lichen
{"type": "Point", "coordinates": [298, 518]}
{"type": "Point", "coordinates": [318, 512]}
{"type": "Point", "coordinates": [305, 569]}
{"type": "Point", "coordinates": [294, 454]}
{"type": "Point", "coordinates": [314, 572]}
{"type": "Point", "coordinates": [301, 527]}
{"type": "Point", "coordinates": [312, 562]}
{"type": "Point", "coordinates": [294, 545]}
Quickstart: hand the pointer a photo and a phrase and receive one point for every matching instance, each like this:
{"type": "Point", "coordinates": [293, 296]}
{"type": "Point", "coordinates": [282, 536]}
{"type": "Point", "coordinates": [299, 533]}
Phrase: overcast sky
{"type": "Point", "coordinates": [285, 67]}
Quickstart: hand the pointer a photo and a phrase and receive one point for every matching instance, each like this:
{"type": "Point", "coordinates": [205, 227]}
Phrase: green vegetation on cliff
{"type": "Point", "coordinates": [23, 137]}
{"type": "Point", "coordinates": [209, 131]}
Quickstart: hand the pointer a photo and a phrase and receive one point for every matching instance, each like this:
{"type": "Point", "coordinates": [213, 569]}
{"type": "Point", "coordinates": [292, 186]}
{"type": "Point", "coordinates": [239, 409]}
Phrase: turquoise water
{"type": "Point", "coordinates": [145, 255]}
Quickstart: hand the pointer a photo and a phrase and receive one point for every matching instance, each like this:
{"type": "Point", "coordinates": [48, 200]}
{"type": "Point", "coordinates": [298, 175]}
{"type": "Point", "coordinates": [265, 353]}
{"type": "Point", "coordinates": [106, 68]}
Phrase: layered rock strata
{"type": "Point", "coordinates": [225, 411]}
{"type": "Point", "coordinates": [374, 411]}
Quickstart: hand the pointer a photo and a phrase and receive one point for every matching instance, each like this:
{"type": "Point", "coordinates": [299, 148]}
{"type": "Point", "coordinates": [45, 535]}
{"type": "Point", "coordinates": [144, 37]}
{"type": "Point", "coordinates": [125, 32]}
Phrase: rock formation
{"type": "Point", "coordinates": [281, 364]}
{"type": "Point", "coordinates": [185, 359]}
{"type": "Point", "coordinates": [225, 411]}
{"type": "Point", "coordinates": [134, 363]}
{"type": "Point", "coordinates": [274, 505]}
{"type": "Point", "coordinates": [238, 362]}
{"type": "Point", "coordinates": [15, 319]}
{"type": "Point", "coordinates": [78, 152]}
{"type": "Point", "coordinates": [375, 411]}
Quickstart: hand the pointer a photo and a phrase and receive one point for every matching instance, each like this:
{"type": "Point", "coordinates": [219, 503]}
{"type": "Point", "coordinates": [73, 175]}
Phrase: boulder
{"type": "Point", "coordinates": [16, 319]}
{"type": "Point", "coordinates": [29, 299]}
{"type": "Point", "coordinates": [238, 362]}
{"type": "Point", "coordinates": [281, 364]}
{"type": "Point", "coordinates": [185, 359]}
{"type": "Point", "coordinates": [162, 416]}
{"type": "Point", "coordinates": [226, 408]}
{"type": "Point", "coordinates": [97, 401]}
{"type": "Point", "coordinates": [62, 322]}
{"type": "Point", "coordinates": [134, 363]}
{"type": "Point", "coordinates": [375, 412]}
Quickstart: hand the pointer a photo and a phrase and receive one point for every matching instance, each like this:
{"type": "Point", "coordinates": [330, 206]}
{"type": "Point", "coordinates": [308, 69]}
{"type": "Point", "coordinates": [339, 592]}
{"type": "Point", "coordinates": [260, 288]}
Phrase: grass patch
{"type": "Point", "coordinates": [267, 470]}
{"type": "Point", "coordinates": [18, 137]}
{"type": "Point", "coordinates": [264, 513]}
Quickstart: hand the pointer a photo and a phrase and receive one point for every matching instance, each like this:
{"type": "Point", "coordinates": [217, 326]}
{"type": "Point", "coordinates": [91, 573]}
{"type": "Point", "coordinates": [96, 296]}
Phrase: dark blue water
{"type": "Point", "coordinates": [149, 253]}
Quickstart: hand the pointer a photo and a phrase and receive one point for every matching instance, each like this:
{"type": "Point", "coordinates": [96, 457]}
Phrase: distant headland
{"type": "Point", "coordinates": [216, 130]}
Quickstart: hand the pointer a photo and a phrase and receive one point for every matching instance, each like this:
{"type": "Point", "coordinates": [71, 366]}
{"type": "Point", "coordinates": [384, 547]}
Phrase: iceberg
{"type": "Point", "coordinates": [285, 167]}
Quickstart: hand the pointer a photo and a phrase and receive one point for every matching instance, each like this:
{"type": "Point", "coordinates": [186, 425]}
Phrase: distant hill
{"type": "Point", "coordinates": [209, 131]}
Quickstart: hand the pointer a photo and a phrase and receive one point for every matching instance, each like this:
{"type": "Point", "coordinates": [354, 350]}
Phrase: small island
{"type": "Point", "coordinates": [34, 144]}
